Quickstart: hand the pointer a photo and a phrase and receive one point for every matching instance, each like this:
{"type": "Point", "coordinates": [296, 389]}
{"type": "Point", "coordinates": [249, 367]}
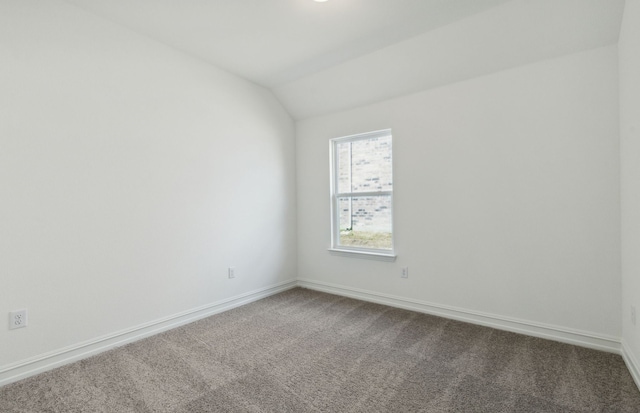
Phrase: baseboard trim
{"type": "Point", "coordinates": [39, 364]}
{"type": "Point", "coordinates": [546, 331]}
{"type": "Point", "coordinates": [631, 362]}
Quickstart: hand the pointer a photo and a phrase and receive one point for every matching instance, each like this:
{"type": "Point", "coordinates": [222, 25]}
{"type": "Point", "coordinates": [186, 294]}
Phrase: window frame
{"type": "Point", "coordinates": [361, 252]}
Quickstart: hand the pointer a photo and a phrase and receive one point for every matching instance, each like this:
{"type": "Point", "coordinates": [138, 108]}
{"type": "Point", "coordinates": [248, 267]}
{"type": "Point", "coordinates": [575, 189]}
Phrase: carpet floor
{"type": "Point", "coordinates": [306, 351]}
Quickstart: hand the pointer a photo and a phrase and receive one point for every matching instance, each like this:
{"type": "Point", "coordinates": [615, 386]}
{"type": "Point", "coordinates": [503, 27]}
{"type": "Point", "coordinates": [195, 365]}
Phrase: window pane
{"type": "Point", "coordinates": [365, 222]}
{"type": "Point", "coordinates": [365, 165]}
{"type": "Point", "coordinates": [344, 167]}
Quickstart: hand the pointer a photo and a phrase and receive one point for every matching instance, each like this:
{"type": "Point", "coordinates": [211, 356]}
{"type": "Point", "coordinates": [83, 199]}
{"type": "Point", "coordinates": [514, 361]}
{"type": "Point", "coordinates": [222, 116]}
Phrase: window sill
{"type": "Point", "coordinates": [378, 256]}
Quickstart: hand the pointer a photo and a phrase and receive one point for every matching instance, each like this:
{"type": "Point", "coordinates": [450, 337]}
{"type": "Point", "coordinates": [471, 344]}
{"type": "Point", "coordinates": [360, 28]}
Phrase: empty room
{"type": "Point", "coordinates": [320, 206]}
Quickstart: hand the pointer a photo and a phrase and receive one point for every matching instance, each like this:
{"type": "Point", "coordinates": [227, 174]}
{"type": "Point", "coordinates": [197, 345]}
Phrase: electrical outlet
{"type": "Point", "coordinates": [405, 272]}
{"type": "Point", "coordinates": [17, 319]}
{"type": "Point", "coordinates": [633, 315]}
{"type": "Point", "coordinates": [232, 272]}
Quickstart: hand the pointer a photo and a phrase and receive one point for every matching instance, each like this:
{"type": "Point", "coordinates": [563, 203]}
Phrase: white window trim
{"type": "Point", "coordinates": [375, 255]}
{"type": "Point", "coordinates": [358, 252]}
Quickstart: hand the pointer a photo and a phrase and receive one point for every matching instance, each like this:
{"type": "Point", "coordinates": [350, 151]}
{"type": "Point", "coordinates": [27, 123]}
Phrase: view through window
{"type": "Point", "coordinates": [362, 192]}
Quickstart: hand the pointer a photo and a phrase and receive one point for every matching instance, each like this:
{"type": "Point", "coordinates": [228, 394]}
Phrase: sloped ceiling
{"type": "Point", "coordinates": [324, 57]}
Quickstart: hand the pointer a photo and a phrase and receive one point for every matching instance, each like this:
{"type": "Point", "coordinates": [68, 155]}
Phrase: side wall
{"type": "Point", "coordinates": [131, 177]}
{"type": "Point", "coordinates": [629, 50]}
{"type": "Point", "coordinates": [506, 204]}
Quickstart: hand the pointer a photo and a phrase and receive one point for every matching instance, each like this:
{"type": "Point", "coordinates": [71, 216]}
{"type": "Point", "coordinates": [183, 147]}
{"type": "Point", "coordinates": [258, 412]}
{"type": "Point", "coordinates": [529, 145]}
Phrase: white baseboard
{"type": "Point", "coordinates": [631, 362]}
{"type": "Point", "coordinates": [25, 368]}
{"type": "Point", "coordinates": [551, 332]}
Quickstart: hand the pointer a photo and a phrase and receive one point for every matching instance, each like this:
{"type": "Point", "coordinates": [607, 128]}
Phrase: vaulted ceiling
{"type": "Point", "coordinates": [324, 57]}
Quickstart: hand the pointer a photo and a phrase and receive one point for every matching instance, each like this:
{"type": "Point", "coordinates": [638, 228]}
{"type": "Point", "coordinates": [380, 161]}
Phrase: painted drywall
{"type": "Point", "coordinates": [506, 195]}
{"type": "Point", "coordinates": [131, 177]}
{"type": "Point", "coordinates": [629, 52]}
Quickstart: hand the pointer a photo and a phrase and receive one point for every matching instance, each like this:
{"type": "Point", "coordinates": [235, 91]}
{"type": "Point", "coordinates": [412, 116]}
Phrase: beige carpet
{"type": "Point", "coordinates": [305, 351]}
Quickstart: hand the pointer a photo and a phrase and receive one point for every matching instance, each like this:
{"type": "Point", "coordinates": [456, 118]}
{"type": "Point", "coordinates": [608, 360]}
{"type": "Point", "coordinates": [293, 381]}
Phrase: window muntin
{"type": "Point", "coordinates": [362, 193]}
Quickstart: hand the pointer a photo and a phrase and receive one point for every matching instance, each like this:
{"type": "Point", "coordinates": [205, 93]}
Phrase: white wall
{"type": "Point", "coordinates": [131, 177]}
{"type": "Point", "coordinates": [506, 196]}
{"type": "Point", "coordinates": [629, 51]}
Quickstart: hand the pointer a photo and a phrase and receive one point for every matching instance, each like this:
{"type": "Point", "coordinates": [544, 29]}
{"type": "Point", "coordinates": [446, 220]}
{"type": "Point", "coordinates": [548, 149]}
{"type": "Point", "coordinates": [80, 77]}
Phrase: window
{"type": "Point", "coordinates": [362, 194]}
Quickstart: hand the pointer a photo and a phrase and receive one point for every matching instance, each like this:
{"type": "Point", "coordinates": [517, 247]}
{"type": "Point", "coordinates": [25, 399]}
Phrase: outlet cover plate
{"type": "Point", "coordinates": [17, 319]}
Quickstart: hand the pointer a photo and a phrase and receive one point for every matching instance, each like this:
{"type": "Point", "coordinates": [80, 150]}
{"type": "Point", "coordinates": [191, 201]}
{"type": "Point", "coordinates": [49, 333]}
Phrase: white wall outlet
{"type": "Point", "coordinates": [17, 319]}
{"type": "Point", "coordinates": [405, 272]}
{"type": "Point", "coordinates": [232, 272]}
{"type": "Point", "coordinates": [633, 315]}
